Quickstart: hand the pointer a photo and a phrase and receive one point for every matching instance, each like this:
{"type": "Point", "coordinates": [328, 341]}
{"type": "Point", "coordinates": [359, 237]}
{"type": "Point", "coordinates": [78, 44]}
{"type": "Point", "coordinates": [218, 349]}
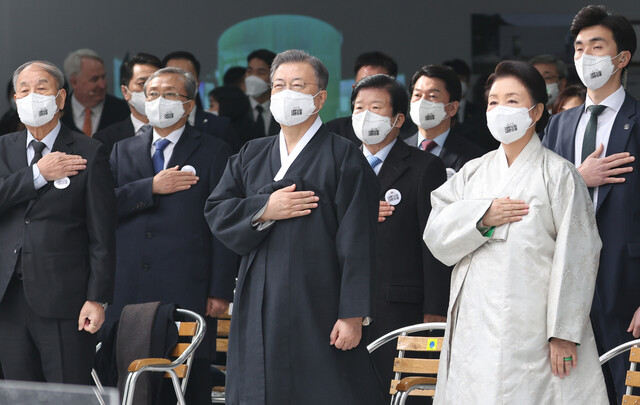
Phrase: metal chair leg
{"type": "Point", "coordinates": [177, 387]}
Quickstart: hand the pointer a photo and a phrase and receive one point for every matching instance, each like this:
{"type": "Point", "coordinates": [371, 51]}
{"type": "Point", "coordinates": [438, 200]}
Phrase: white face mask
{"type": "Point", "coordinates": [371, 128]}
{"type": "Point", "coordinates": [427, 114]}
{"type": "Point", "coordinates": [290, 107]}
{"type": "Point", "coordinates": [255, 86]}
{"type": "Point", "coordinates": [508, 124]}
{"type": "Point", "coordinates": [163, 113]}
{"type": "Point", "coordinates": [552, 92]}
{"type": "Point", "coordinates": [595, 71]}
{"type": "Point", "coordinates": [138, 101]}
{"type": "Point", "coordinates": [36, 110]}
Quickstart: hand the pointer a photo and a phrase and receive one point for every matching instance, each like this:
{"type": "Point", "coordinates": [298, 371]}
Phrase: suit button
{"type": "Point", "coordinates": [27, 221]}
{"type": "Point", "coordinates": [149, 235]}
{"type": "Point", "coordinates": [145, 267]}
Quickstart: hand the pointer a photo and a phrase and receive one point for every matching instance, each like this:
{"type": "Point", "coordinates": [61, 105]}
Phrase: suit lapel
{"type": "Point", "coordinates": [412, 140]}
{"type": "Point", "coordinates": [188, 143]}
{"type": "Point", "coordinates": [394, 166]}
{"type": "Point", "coordinates": [17, 156]}
{"type": "Point", "coordinates": [449, 153]}
{"type": "Point", "coordinates": [622, 128]}
{"type": "Point", "coordinates": [142, 142]}
{"type": "Point", "coordinates": [567, 144]}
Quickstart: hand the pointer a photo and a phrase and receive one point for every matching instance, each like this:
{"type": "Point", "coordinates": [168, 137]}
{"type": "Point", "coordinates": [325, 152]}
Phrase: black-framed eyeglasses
{"type": "Point", "coordinates": [169, 95]}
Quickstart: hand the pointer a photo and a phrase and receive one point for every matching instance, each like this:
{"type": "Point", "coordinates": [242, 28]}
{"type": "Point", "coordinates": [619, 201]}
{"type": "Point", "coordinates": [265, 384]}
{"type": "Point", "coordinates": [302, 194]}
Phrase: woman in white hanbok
{"type": "Point", "coordinates": [519, 225]}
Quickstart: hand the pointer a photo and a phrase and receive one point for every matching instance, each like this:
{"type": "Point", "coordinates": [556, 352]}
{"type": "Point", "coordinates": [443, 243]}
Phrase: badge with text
{"type": "Point", "coordinates": [62, 183]}
{"type": "Point", "coordinates": [393, 197]}
{"type": "Point", "coordinates": [188, 168]}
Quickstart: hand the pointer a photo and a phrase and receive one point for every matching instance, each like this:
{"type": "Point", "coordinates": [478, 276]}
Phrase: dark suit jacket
{"type": "Point", "coordinates": [115, 133]}
{"type": "Point", "coordinates": [617, 211]}
{"type": "Point", "coordinates": [220, 127]}
{"type": "Point", "coordinates": [114, 110]}
{"type": "Point", "coordinates": [343, 127]}
{"type": "Point", "coordinates": [457, 150]}
{"type": "Point", "coordinates": [166, 251]}
{"type": "Point", "coordinates": [66, 236]}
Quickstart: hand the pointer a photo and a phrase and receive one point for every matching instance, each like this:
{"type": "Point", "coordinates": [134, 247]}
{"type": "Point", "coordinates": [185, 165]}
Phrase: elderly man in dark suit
{"type": "Point", "coordinates": [90, 108]}
{"type": "Point", "coordinates": [57, 237]}
{"type": "Point", "coordinates": [602, 138]}
{"type": "Point", "coordinates": [165, 250]}
{"type": "Point", "coordinates": [435, 96]}
{"type": "Point", "coordinates": [134, 73]}
{"type": "Point", "coordinates": [411, 285]}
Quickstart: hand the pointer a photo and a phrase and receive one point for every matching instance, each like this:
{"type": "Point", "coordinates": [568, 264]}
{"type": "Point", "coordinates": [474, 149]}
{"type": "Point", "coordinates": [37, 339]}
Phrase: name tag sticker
{"type": "Point", "coordinates": [188, 168]}
{"type": "Point", "coordinates": [393, 197]}
{"type": "Point", "coordinates": [62, 183]}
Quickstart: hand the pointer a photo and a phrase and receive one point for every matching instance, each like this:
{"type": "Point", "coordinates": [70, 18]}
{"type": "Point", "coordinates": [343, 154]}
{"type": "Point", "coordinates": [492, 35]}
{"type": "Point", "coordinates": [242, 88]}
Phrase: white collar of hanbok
{"type": "Point", "coordinates": [287, 159]}
{"type": "Point", "coordinates": [531, 146]}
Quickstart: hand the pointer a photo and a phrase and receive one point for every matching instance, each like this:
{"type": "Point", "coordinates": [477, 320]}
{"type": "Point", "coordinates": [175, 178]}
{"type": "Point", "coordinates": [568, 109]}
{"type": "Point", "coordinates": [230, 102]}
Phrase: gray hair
{"type": "Point", "coordinates": [190, 85]}
{"type": "Point", "coordinates": [544, 59]}
{"type": "Point", "coordinates": [47, 66]}
{"type": "Point", "coordinates": [298, 56]}
{"type": "Point", "coordinates": [73, 62]}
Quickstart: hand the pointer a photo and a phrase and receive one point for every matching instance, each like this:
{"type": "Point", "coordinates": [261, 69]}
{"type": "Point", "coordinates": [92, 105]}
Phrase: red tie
{"type": "Point", "coordinates": [428, 145]}
{"type": "Point", "coordinates": [86, 128]}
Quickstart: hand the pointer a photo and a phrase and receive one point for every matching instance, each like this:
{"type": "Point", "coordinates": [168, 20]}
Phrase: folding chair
{"type": "Point", "coordinates": [422, 382]}
{"type": "Point", "coordinates": [178, 368]}
{"type": "Point", "coordinates": [633, 377]}
{"type": "Point", "coordinates": [222, 345]}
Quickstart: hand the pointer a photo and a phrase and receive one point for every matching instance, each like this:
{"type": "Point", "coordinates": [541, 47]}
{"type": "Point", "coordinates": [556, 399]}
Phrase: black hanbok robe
{"type": "Point", "coordinates": [300, 275]}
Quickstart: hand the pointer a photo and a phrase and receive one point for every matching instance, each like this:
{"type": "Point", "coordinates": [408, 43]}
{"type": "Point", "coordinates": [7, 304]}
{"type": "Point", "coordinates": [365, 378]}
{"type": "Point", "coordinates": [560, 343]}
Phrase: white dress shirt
{"type": "Point", "coordinates": [603, 131]}
{"type": "Point", "coordinates": [173, 138]}
{"type": "Point", "coordinates": [266, 112]}
{"type": "Point", "coordinates": [439, 140]}
{"type": "Point", "coordinates": [78, 114]}
{"type": "Point", "coordinates": [38, 180]}
{"type": "Point", "coordinates": [137, 124]}
{"type": "Point", "coordinates": [382, 154]}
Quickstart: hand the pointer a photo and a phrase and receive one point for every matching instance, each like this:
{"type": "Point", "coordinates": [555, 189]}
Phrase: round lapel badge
{"type": "Point", "coordinates": [62, 183]}
{"type": "Point", "coordinates": [450, 172]}
{"type": "Point", "coordinates": [393, 197]}
{"type": "Point", "coordinates": [188, 168]}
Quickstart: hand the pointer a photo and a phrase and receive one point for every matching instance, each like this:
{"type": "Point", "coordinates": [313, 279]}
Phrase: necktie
{"type": "Point", "coordinates": [589, 140]}
{"type": "Point", "coordinates": [260, 119]}
{"type": "Point", "coordinates": [86, 128]}
{"type": "Point", "coordinates": [38, 147]}
{"type": "Point", "coordinates": [428, 145]}
{"type": "Point", "coordinates": [373, 161]}
{"type": "Point", "coordinates": [158, 155]}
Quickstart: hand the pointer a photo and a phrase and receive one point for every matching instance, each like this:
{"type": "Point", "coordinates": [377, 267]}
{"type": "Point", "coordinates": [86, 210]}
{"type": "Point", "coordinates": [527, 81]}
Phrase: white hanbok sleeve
{"type": "Point", "coordinates": [451, 232]}
{"type": "Point", "coordinates": [576, 255]}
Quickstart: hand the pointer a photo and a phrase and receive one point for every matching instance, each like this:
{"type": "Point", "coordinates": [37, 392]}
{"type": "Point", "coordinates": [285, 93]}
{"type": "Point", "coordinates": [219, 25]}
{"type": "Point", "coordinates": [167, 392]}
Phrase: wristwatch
{"type": "Point", "coordinates": [104, 305]}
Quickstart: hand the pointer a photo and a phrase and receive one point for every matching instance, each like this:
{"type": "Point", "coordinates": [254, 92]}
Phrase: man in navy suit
{"type": "Point", "coordinates": [602, 138]}
{"type": "Point", "coordinates": [133, 74]}
{"type": "Point", "coordinates": [165, 250]}
{"type": "Point", "coordinates": [411, 285]}
{"type": "Point", "coordinates": [90, 108]}
{"type": "Point", "coordinates": [201, 120]}
{"type": "Point", "coordinates": [435, 94]}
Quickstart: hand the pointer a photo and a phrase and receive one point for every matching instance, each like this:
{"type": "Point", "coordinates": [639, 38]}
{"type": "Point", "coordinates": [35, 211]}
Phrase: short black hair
{"type": "Point", "coordinates": [233, 102]}
{"type": "Point", "coordinates": [530, 78]}
{"type": "Point", "coordinates": [264, 55]}
{"type": "Point", "coordinates": [620, 27]}
{"type": "Point", "coordinates": [234, 76]}
{"type": "Point", "coordinates": [575, 90]}
{"type": "Point", "coordinates": [183, 55]}
{"type": "Point", "coordinates": [126, 69]}
{"type": "Point", "coordinates": [459, 66]}
{"type": "Point", "coordinates": [444, 73]}
{"type": "Point", "coordinates": [376, 58]}
{"type": "Point", "coordinates": [398, 94]}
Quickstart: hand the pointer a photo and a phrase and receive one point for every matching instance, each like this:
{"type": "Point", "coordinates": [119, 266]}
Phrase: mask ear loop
{"type": "Point", "coordinates": [532, 121]}
{"type": "Point", "coordinates": [314, 96]}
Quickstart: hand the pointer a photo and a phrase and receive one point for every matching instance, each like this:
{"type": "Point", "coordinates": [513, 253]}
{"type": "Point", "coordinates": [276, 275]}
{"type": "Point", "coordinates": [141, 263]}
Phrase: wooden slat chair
{"type": "Point", "coordinates": [177, 369]}
{"type": "Point", "coordinates": [222, 345]}
{"type": "Point", "coordinates": [632, 379]}
{"type": "Point", "coordinates": [422, 382]}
